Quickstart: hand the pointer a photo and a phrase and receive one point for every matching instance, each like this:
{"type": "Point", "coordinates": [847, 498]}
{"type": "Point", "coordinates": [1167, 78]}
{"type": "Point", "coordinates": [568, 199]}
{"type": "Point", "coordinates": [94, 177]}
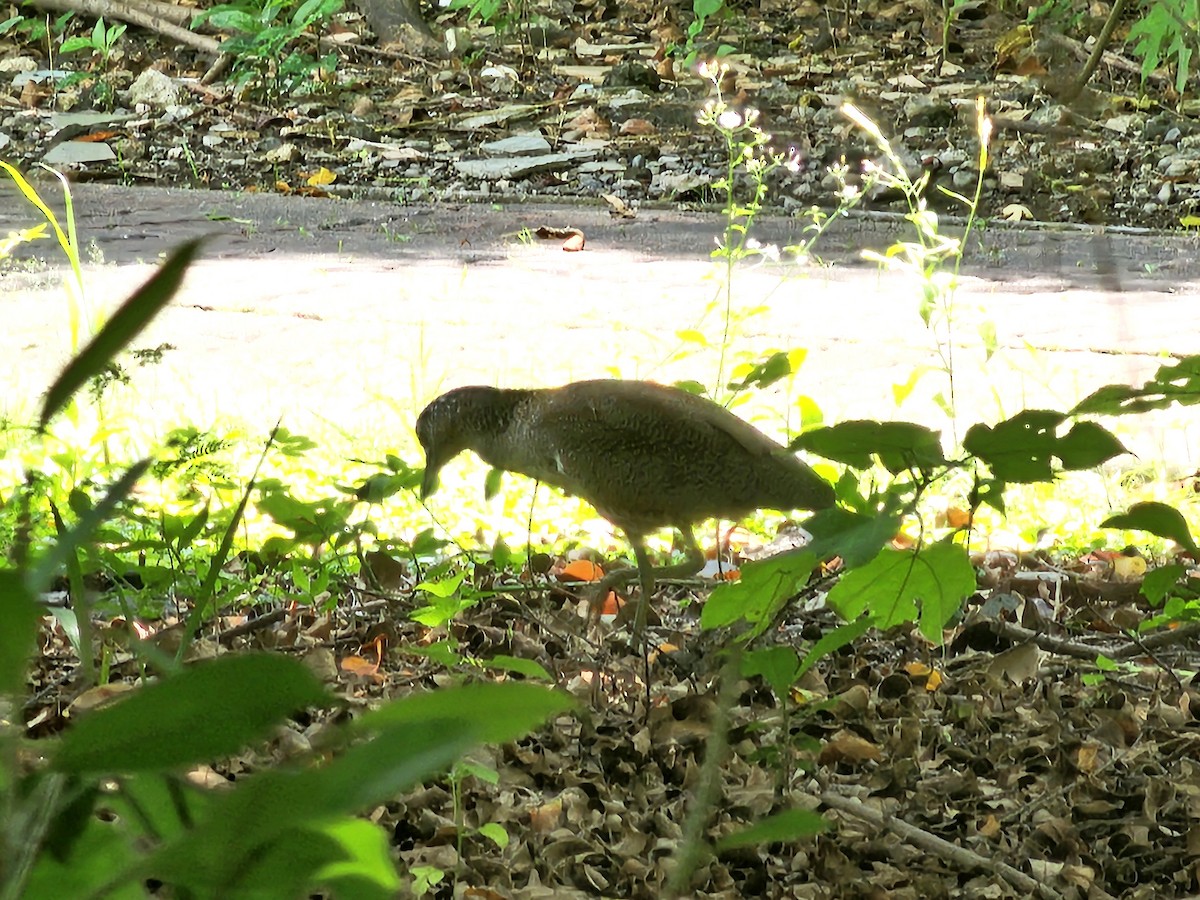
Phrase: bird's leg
{"type": "Point", "coordinates": [646, 572]}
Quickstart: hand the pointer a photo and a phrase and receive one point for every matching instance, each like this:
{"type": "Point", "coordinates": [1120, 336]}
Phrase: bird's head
{"type": "Point", "coordinates": [461, 419]}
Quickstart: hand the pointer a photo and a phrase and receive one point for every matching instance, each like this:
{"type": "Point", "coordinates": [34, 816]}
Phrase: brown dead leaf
{"type": "Point", "coordinates": [1018, 665]}
{"type": "Point", "coordinates": [545, 818]}
{"type": "Point", "coordinates": [637, 128]}
{"type": "Point", "coordinates": [618, 208]}
{"type": "Point", "coordinates": [101, 695]}
{"type": "Point", "coordinates": [848, 747]}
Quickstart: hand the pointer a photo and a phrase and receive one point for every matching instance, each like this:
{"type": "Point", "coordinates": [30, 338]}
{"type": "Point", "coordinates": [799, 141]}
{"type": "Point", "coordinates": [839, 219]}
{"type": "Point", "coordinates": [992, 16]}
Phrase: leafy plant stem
{"type": "Point", "coordinates": [207, 590]}
{"type": "Point", "coordinates": [708, 785]}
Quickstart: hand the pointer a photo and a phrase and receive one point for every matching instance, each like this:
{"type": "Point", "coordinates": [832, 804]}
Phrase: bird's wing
{"type": "Point", "coordinates": [645, 401]}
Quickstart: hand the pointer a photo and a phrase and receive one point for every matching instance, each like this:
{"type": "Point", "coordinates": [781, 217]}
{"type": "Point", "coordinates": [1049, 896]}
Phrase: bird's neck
{"type": "Point", "coordinates": [498, 430]}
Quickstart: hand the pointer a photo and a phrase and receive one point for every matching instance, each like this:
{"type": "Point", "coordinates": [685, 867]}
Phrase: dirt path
{"type": "Point", "coordinates": [347, 314]}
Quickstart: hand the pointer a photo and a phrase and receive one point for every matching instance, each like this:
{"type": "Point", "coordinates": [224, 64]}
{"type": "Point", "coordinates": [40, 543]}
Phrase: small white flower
{"type": "Point", "coordinates": [730, 120]}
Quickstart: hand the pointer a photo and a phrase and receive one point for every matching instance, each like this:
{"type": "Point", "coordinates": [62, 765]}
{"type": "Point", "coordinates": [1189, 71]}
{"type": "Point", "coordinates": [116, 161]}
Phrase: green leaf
{"type": "Point", "coordinates": [499, 712]}
{"type": "Point", "coordinates": [760, 593]}
{"type": "Point", "coordinates": [365, 868]}
{"type": "Point", "coordinates": [495, 833]}
{"type": "Point", "coordinates": [1156, 518]}
{"type": "Point", "coordinates": [125, 324]}
{"type": "Point", "coordinates": [209, 710]}
{"type": "Point", "coordinates": [491, 484]}
{"type": "Point", "coordinates": [1087, 445]}
{"type": "Point", "coordinates": [443, 587]}
{"type": "Point", "coordinates": [20, 613]}
{"type": "Point", "coordinates": [63, 550]}
{"type": "Point", "coordinates": [1158, 583]}
{"type": "Point", "coordinates": [902, 586]}
{"type": "Point", "coordinates": [527, 667]}
{"type": "Point", "coordinates": [840, 637]}
{"type": "Point", "coordinates": [778, 666]}
{"type": "Point", "coordinates": [765, 373]}
{"type": "Point", "coordinates": [784, 827]}
{"type": "Point", "coordinates": [1023, 448]}
{"type": "Point", "coordinates": [1175, 382]}
{"type": "Point", "coordinates": [102, 848]}
{"type": "Point", "coordinates": [378, 487]}
{"type": "Point", "coordinates": [899, 446]}
{"type": "Point", "coordinates": [855, 537]}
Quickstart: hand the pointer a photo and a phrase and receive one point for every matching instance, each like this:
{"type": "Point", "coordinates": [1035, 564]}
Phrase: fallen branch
{"type": "Point", "coordinates": [959, 857]}
{"type": "Point", "coordinates": [134, 15]}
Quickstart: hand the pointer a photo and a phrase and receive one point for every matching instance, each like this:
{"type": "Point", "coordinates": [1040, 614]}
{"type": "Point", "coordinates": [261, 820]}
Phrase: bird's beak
{"type": "Point", "coordinates": [429, 483]}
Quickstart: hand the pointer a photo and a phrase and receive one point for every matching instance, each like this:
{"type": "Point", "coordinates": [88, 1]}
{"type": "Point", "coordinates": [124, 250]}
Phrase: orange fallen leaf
{"type": "Point", "coordinates": [612, 604]}
{"type": "Point", "coordinates": [356, 665]}
{"type": "Point", "coordinates": [582, 570]}
{"type": "Point", "coordinates": [958, 518]}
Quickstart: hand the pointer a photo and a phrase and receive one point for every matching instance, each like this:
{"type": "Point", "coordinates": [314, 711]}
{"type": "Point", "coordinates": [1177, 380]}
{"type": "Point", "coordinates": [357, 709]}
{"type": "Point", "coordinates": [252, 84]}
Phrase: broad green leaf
{"type": "Point", "coordinates": [927, 585]}
{"type": "Point", "coordinates": [764, 373]}
{"type": "Point", "coordinates": [1023, 448]}
{"type": "Point", "coordinates": [854, 537]}
{"type": "Point", "coordinates": [499, 712]}
{"type": "Point", "coordinates": [784, 827]}
{"type": "Point", "coordinates": [495, 833]}
{"type": "Point", "coordinates": [1019, 449]}
{"type": "Point", "coordinates": [365, 870]}
{"type": "Point", "coordinates": [1158, 583]}
{"type": "Point", "coordinates": [1087, 445]}
{"type": "Point", "coordinates": [209, 710]}
{"type": "Point", "coordinates": [20, 613]}
{"type": "Point", "coordinates": [491, 483]}
{"type": "Point", "coordinates": [840, 637]}
{"type": "Point", "coordinates": [1175, 382]}
{"type": "Point", "coordinates": [899, 446]}
{"type": "Point", "coordinates": [760, 593]}
{"type": "Point", "coordinates": [443, 587]}
{"type": "Point", "coordinates": [527, 667]}
{"type": "Point", "coordinates": [102, 848]}
{"type": "Point", "coordinates": [1156, 518]}
{"type": "Point", "coordinates": [274, 808]}
{"type": "Point", "coordinates": [125, 324]}
{"type": "Point", "coordinates": [777, 665]}
{"type": "Point", "coordinates": [378, 487]}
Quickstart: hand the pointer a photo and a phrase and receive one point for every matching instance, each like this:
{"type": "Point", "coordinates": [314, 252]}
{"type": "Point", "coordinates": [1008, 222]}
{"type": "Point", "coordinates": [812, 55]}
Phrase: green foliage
{"type": "Point", "coordinates": [1156, 518]}
{"type": "Point", "coordinates": [263, 48]}
{"type": "Point", "coordinates": [81, 322]}
{"type": "Point", "coordinates": [36, 29]}
{"type": "Point", "coordinates": [1169, 30]}
{"type": "Point", "coordinates": [926, 585]}
{"type": "Point", "coordinates": [108, 810]}
{"type": "Point", "coordinates": [1174, 382]}
{"type": "Point", "coordinates": [1065, 14]}
{"type": "Point", "coordinates": [1023, 449]}
{"type": "Point", "coordinates": [933, 259]}
{"type": "Point", "coordinates": [126, 323]}
{"type": "Point", "coordinates": [749, 162]}
{"type": "Point", "coordinates": [487, 11]}
{"type": "Point", "coordinates": [790, 825]}
{"type": "Point", "coordinates": [952, 10]}
{"type": "Point", "coordinates": [702, 11]}
{"type": "Point", "coordinates": [101, 41]}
